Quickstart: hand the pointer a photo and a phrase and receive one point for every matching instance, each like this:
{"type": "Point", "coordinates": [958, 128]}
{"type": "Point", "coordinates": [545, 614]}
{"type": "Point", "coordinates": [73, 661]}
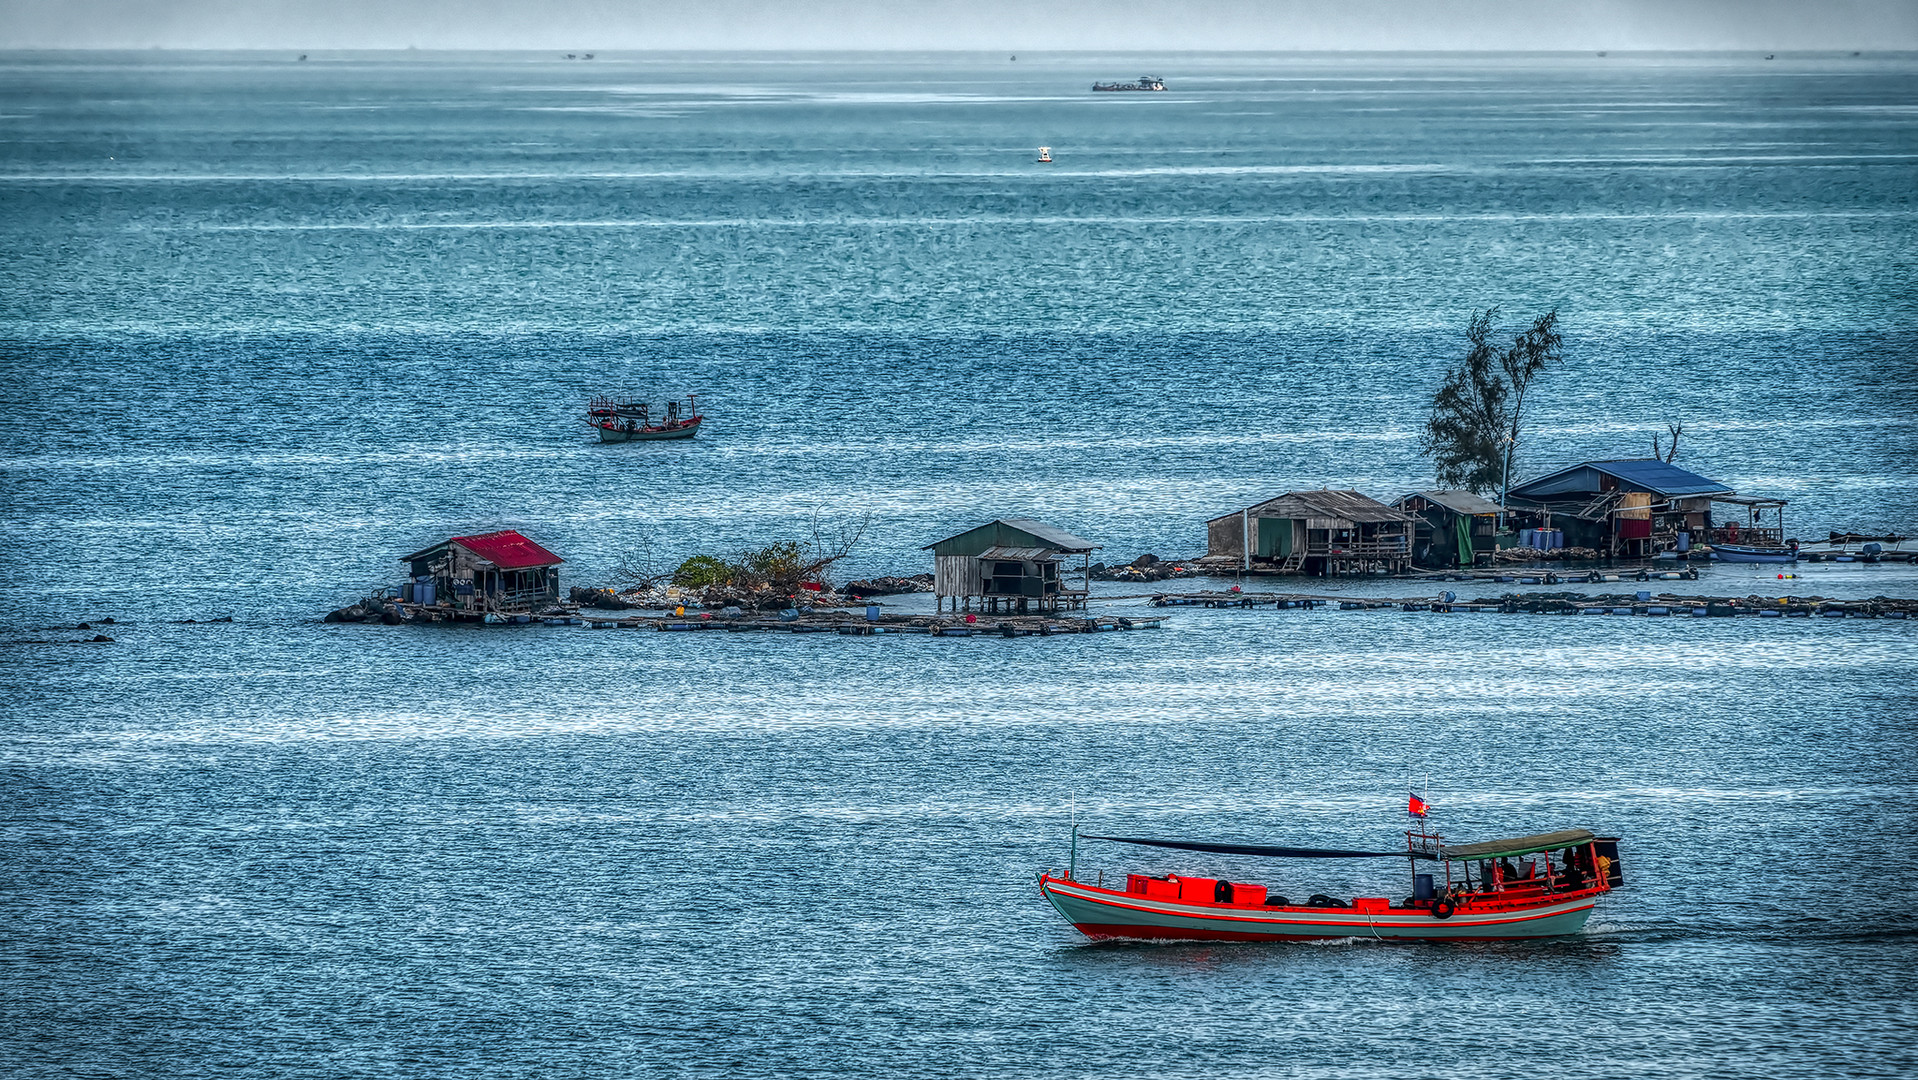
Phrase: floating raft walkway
{"type": "Point", "coordinates": [830, 622]}
{"type": "Point", "coordinates": [1002, 627]}
{"type": "Point", "coordinates": [1644, 603]}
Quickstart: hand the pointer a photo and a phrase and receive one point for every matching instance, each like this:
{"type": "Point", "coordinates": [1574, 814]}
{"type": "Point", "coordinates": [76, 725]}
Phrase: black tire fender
{"type": "Point", "coordinates": [1222, 892]}
{"type": "Point", "coordinates": [1443, 908]}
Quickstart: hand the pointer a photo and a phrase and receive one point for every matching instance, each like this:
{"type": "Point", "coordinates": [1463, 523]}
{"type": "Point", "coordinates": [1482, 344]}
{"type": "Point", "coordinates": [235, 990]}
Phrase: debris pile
{"type": "Point", "coordinates": [663, 597]}
{"type": "Point", "coordinates": [1525, 554]}
{"type": "Point", "coordinates": [373, 609]}
{"type": "Point", "coordinates": [887, 586]}
{"type": "Point", "coordinates": [1146, 567]}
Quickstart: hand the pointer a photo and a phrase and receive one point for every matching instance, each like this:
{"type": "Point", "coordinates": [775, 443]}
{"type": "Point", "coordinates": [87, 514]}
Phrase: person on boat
{"type": "Point", "coordinates": [1574, 874]}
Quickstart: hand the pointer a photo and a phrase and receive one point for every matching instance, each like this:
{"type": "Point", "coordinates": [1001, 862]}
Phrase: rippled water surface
{"type": "Point", "coordinates": [265, 326]}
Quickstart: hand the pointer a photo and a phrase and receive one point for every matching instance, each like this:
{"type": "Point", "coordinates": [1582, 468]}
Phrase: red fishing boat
{"type": "Point", "coordinates": [1522, 887]}
{"type": "Point", "coordinates": [632, 421]}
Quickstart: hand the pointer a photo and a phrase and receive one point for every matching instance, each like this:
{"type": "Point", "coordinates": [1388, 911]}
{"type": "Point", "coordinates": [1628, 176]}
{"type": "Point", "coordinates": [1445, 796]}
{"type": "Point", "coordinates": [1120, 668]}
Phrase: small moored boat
{"type": "Point", "coordinates": [1511, 888]}
{"type": "Point", "coordinates": [632, 421]}
{"type": "Point", "coordinates": [1753, 553]}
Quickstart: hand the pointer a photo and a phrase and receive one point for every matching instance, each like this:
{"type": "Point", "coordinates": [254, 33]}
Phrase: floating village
{"type": "Point", "coordinates": [1642, 523]}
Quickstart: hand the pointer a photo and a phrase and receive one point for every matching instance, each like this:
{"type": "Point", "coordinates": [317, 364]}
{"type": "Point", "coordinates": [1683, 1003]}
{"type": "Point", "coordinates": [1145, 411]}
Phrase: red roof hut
{"type": "Point", "coordinates": [497, 571]}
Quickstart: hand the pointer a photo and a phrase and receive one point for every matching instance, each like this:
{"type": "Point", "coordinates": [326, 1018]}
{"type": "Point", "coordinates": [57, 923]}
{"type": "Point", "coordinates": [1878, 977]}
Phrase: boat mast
{"type": "Point", "coordinates": [1072, 812]}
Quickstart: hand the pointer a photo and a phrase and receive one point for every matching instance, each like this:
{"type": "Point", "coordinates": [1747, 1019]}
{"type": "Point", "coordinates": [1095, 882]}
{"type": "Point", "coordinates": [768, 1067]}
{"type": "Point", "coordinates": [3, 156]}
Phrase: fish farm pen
{"type": "Point", "coordinates": [1641, 603]}
{"type": "Point", "coordinates": [842, 622]}
{"type": "Point", "coordinates": [1003, 627]}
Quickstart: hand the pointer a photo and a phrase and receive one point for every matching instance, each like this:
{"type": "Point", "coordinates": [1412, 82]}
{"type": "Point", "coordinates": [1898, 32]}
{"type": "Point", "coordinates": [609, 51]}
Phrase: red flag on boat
{"type": "Point", "coordinates": [1417, 807]}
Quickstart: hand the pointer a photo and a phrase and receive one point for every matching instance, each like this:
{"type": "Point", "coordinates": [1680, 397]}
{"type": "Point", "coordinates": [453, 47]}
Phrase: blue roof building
{"type": "Point", "coordinates": [1649, 475]}
{"type": "Point", "coordinates": [1635, 507]}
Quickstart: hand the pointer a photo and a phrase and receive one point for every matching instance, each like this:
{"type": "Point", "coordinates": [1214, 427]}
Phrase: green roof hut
{"type": "Point", "coordinates": [1011, 565]}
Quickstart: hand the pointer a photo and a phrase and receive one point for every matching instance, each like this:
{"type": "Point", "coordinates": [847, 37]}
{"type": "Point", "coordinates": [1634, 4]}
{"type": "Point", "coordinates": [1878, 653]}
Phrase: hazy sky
{"type": "Point", "coordinates": [977, 24]}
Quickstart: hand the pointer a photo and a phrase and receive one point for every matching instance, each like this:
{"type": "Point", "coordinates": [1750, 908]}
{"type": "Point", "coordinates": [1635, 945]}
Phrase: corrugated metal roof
{"type": "Point", "coordinates": [1346, 505]}
{"type": "Point", "coordinates": [505, 549]}
{"type": "Point", "coordinates": [1055, 538]}
{"type": "Point", "coordinates": [1646, 474]}
{"type": "Point", "coordinates": [1026, 554]}
{"type": "Point", "coordinates": [1058, 538]}
{"type": "Point", "coordinates": [1459, 502]}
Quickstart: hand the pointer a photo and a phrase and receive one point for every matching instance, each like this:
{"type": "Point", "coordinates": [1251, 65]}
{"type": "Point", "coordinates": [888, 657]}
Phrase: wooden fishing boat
{"type": "Point", "coordinates": [1492, 890]}
{"type": "Point", "coordinates": [1753, 553]}
{"type": "Point", "coordinates": [632, 421]}
{"type": "Point", "coordinates": [1148, 83]}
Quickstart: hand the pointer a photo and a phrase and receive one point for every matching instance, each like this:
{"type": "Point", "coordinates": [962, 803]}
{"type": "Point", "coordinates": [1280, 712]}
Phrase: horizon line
{"type": "Point", "coordinates": [869, 50]}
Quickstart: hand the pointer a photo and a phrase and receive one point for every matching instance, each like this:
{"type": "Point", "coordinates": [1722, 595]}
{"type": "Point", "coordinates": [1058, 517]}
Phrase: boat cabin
{"type": "Point", "coordinates": [491, 572]}
{"type": "Point", "coordinates": [1010, 564]}
{"type": "Point", "coordinates": [1521, 864]}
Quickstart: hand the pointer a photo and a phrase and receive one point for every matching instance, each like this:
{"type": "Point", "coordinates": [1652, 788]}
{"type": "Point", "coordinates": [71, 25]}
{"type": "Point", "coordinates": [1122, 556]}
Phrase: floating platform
{"type": "Point", "coordinates": [1017, 626]}
{"type": "Point", "coordinates": [1644, 603]}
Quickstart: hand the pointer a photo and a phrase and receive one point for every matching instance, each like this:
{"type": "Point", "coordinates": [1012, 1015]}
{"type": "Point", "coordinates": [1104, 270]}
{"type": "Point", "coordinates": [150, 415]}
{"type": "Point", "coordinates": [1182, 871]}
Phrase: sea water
{"type": "Point", "coordinates": [267, 325]}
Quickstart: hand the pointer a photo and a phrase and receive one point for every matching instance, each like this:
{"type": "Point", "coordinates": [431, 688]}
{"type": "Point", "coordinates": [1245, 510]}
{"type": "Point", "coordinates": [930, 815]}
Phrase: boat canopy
{"type": "Point", "coordinates": [1518, 845]}
{"type": "Point", "coordinates": [1267, 850]}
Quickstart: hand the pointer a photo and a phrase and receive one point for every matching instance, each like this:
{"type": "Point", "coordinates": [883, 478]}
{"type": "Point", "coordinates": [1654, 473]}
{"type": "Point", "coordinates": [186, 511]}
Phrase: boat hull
{"type": "Point", "coordinates": [1740, 554]}
{"type": "Point", "coordinates": [1103, 915]}
{"type": "Point", "coordinates": [613, 435]}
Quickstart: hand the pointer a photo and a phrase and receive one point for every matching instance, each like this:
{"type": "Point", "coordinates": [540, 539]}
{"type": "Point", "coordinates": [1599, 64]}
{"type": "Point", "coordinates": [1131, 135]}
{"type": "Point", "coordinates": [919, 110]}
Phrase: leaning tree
{"type": "Point", "coordinates": [1477, 413]}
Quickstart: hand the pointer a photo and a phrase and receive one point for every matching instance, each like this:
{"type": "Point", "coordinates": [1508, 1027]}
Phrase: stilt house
{"type": "Point", "coordinates": [1012, 565]}
{"type": "Point", "coordinates": [498, 571]}
{"type": "Point", "coordinates": [1454, 528]}
{"type": "Point", "coordinates": [1634, 507]}
{"type": "Point", "coordinates": [1325, 533]}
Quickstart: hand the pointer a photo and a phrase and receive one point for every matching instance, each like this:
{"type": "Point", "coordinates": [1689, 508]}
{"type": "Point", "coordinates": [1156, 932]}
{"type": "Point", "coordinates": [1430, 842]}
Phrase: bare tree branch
{"type": "Point", "coordinates": [638, 567]}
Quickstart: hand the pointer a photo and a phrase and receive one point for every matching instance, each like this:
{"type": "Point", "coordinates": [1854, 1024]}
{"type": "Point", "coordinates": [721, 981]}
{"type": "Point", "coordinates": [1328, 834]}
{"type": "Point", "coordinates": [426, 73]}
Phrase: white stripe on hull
{"type": "Point", "coordinates": [1097, 915]}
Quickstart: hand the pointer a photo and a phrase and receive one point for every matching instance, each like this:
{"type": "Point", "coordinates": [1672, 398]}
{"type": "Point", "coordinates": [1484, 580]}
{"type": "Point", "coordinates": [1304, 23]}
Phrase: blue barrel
{"type": "Point", "coordinates": [1525, 537]}
{"type": "Point", "coordinates": [1684, 541]}
{"type": "Point", "coordinates": [872, 612]}
{"type": "Point", "coordinates": [1421, 886]}
{"type": "Point", "coordinates": [426, 593]}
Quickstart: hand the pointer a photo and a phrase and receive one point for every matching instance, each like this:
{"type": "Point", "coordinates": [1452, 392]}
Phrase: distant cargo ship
{"type": "Point", "coordinates": [1146, 82]}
